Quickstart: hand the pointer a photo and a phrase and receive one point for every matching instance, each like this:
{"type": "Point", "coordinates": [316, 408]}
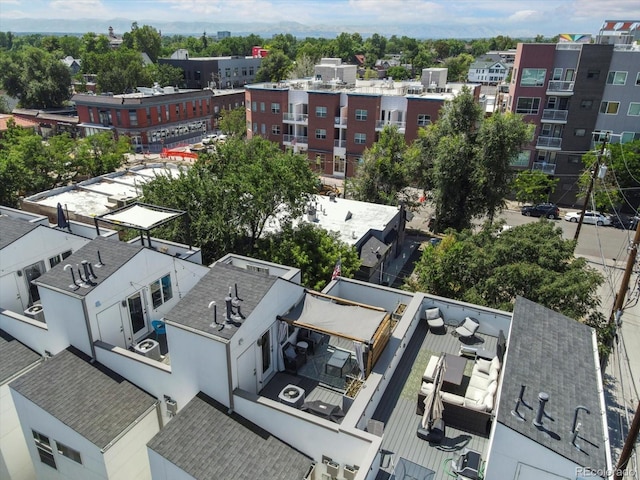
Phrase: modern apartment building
{"type": "Point", "coordinates": [335, 120]}
{"type": "Point", "coordinates": [573, 92]}
{"type": "Point", "coordinates": [156, 118]}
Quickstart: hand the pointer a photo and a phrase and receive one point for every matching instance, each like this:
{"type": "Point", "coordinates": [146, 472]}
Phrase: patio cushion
{"type": "Point", "coordinates": [431, 368]}
{"type": "Point", "coordinates": [492, 388]}
{"type": "Point", "coordinates": [475, 405]}
{"type": "Point", "coordinates": [452, 398]}
{"type": "Point", "coordinates": [483, 366]}
{"type": "Point", "coordinates": [432, 313]}
{"type": "Point", "coordinates": [290, 352]}
{"type": "Point", "coordinates": [426, 388]}
{"type": "Point", "coordinates": [475, 394]}
{"type": "Point", "coordinates": [495, 363]}
{"type": "Point", "coordinates": [488, 402]}
{"type": "Point", "coordinates": [479, 381]}
{"type": "Point", "coordinates": [493, 375]}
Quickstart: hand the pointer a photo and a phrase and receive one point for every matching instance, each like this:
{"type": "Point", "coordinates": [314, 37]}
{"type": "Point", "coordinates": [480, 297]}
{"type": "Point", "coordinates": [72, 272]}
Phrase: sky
{"type": "Point", "coordinates": [510, 17]}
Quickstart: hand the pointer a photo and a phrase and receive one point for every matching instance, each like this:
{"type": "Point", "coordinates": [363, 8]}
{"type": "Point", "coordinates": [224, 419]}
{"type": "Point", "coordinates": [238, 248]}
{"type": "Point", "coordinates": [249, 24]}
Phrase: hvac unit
{"type": "Point", "coordinates": [36, 312]}
{"type": "Point", "coordinates": [149, 348]}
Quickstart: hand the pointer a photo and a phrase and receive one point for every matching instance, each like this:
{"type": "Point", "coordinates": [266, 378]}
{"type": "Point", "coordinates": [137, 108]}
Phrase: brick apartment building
{"type": "Point", "coordinates": [156, 117]}
{"type": "Point", "coordinates": [574, 92]}
{"type": "Point", "coordinates": [334, 121]}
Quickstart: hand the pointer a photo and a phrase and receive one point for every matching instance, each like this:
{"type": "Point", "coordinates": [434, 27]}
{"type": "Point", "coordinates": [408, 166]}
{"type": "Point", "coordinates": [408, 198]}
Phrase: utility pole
{"type": "Point", "coordinates": [629, 443]}
{"type": "Point", "coordinates": [593, 179]}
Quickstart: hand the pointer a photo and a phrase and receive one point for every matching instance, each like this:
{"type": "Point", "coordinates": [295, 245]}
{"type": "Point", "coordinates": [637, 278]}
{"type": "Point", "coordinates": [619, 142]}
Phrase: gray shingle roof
{"type": "Point", "coordinates": [11, 229]}
{"type": "Point", "coordinates": [193, 311]}
{"type": "Point", "coordinates": [113, 254]}
{"type": "Point", "coordinates": [89, 398]}
{"type": "Point", "coordinates": [551, 353]}
{"type": "Point", "coordinates": [206, 442]}
{"type": "Point", "coordinates": [370, 251]}
{"type": "Point", "coordinates": [14, 357]}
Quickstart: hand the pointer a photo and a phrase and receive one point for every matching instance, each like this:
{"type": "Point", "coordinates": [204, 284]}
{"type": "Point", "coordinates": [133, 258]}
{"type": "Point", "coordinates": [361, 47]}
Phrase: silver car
{"type": "Point", "coordinates": [593, 218]}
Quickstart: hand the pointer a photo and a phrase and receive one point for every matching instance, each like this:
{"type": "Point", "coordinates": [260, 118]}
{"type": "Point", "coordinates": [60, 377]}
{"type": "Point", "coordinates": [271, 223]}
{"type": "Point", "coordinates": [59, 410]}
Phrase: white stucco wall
{"type": "Point", "coordinates": [163, 469]}
{"type": "Point", "coordinates": [15, 461]}
{"type": "Point", "coordinates": [65, 319]}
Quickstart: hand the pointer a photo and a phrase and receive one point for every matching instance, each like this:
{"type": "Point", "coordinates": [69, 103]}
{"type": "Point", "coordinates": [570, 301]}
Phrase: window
{"type": "Point", "coordinates": [69, 452]}
{"type": "Point", "coordinates": [533, 77]}
{"type": "Point", "coordinates": [321, 133]}
{"type": "Point", "coordinates": [250, 70]}
{"type": "Point", "coordinates": [360, 138]}
{"type": "Point", "coordinates": [321, 112]}
{"type": "Point", "coordinates": [528, 105]}
{"type": "Point", "coordinates": [634, 109]}
{"type": "Point", "coordinates": [617, 78]}
{"type": "Point", "coordinates": [557, 74]}
{"type": "Point", "coordinates": [255, 127]}
{"type": "Point", "coordinates": [638, 80]}
{"type": "Point", "coordinates": [361, 114]}
{"type": "Point", "coordinates": [133, 118]}
{"type": "Point", "coordinates": [579, 132]}
{"type": "Point", "coordinates": [262, 107]}
{"type": "Point", "coordinates": [629, 137]}
{"type": "Point", "coordinates": [275, 129]}
{"type": "Point", "coordinates": [45, 452]}
{"type": "Point", "coordinates": [254, 106]}
{"type": "Point", "coordinates": [53, 261]}
{"type": "Point", "coordinates": [609, 108]}
{"type": "Point", "coordinates": [118, 117]}
{"type": "Point", "coordinates": [275, 108]}
{"type": "Point", "coordinates": [586, 104]}
{"type": "Point", "coordinates": [424, 120]}
{"type": "Point", "coordinates": [521, 160]}
{"type": "Point", "coordinates": [92, 117]}
{"type": "Point", "coordinates": [594, 74]}
{"type": "Point", "coordinates": [161, 291]}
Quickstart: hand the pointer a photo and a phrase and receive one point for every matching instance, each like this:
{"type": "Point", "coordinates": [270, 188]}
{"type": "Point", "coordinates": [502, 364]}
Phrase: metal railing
{"type": "Point", "coordinates": [384, 123]}
{"type": "Point", "coordinates": [295, 139]}
{"type": "Point", "coordinates": [558, 86]}
{"type": "Point", "coordinates": [340, 120]}
{"type": "Point", "coordinates": [554, 115]}
{"type": "Point", "coordinates": [295, 117]}
{"type": "Point", "coordinates": [549, 142]}
{"type": "Point", "coordinates": [544, 167]}
{"type": "Point", "coordinates": [340, 143]}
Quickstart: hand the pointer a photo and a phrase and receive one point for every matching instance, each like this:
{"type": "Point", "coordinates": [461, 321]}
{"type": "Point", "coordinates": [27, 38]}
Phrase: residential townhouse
{"type": "Point", "coordinates": [259, 377]}
{"type": "Point", "coordinates": [333, 121]}
{"type": "Point", "coordinates": [488, 69]}
{"type": "Point", "coordinates": [574, 92]}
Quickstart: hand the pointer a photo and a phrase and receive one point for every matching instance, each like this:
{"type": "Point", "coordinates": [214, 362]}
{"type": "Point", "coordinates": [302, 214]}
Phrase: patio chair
{"type": "Point", "coordinates": [434, 318]}
{"type": "Point", "coordinates": [467, 328]}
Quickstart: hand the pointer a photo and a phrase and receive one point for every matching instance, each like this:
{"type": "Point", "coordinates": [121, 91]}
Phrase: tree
{"type": "Point", "coordinates": [36, 77]}
{"type": "Point", "coordinates": [234, 122]}
{"type": "Point", "coordinates": [382, 175]}
{"type": "Point", "coordinates": [491, 269]}
{"type": "Point", "coordinates": [303, 67]}
{"type": "Point", "coordinates": [165, 74]}
{"type": "Point", "coordinates": [533, 186]}
{"type": "Point", "coordinates": [230, 194]}
{"type": "Point", "coordinates": [458, 67]}
{"type": "Point", "coordinates": [100, 153]}
{"type": "Point", "coordinates": [274, 67]}
{"type": "Point", "coordinates": [143, 39]}
{"type": "Point", "coordinates": [500, 140]}
{"type": "Point", "coordinates": [311, 249]}
{"type": "Point", "coordinates": [398, 73]}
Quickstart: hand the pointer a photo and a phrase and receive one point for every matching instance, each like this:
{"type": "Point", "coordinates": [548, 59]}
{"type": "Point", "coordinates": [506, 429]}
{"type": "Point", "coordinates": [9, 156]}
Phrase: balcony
{"type": "Point", "coordinates": [340, 143]}
{"type": "Point", "coordinates": [295, 139]}
{"type": "Point", "coordinates": [295, 117]}
{"type": "Point", "coordinates": [554, 116]}
{"type": "Point", "coordinates": [340, 121]}
{"type": "Point", "coordinates": [380, 124]}
{"type": "Point", "coordinates": [560, 88]}
{"type": "Point", "coordinates": [549, 143]}
{"type": "Point", "coordinates": [544, 167]}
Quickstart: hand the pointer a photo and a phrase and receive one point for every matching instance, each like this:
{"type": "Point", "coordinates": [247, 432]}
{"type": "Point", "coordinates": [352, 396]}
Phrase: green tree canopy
{"type": "Point", "coordinates": [37, 78]}
{"type": "Point", "coordinates": [311, 249]}
{"type": "Point", "coordinates": [533, 186]}
{"type": "Point", "coordinates": [234, 122]}
{"type": "Point", "coordinates": [143, 39]}
{"type": "Point", "coordinates": [101, 153]}
{"type": "Point", "coordinates": [531, 260]}
{"type": "Point", "coordinates": [274, 67]}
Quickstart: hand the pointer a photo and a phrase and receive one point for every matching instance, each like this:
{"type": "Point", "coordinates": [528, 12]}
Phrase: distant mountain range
{"type": "Point", "coordinates": [299, 30]}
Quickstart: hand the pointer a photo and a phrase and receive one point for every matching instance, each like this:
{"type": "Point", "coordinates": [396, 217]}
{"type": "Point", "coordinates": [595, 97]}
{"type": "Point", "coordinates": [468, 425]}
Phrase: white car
{"type": "Point", "coordinates": [594, 218]}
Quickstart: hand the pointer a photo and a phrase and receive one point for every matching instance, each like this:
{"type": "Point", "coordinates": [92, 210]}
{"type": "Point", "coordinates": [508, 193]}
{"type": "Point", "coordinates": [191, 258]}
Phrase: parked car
{"type": "Point", "coordinates": [593, 218]}
{"type": "Point", "coordinates": [625, 222]}
{"type": "Point", "coordinates": [549, 210]}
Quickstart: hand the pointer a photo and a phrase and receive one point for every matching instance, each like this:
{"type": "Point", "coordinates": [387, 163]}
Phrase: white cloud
{"type": "Point", "coordinates": [76, 9]}
{"type": "Point", "coordinates": [526, 16]}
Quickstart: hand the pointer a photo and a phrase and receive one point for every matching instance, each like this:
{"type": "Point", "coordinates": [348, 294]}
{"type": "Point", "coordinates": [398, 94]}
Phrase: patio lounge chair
{"type": "Point", "coordinates": [434, 318]}
{"type": "Point", "coordinates": [467, 328]}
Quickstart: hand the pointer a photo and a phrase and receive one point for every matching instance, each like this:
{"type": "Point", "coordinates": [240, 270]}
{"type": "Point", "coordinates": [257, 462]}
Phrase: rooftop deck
{"type": "Point", "coordinates": [397, 409]}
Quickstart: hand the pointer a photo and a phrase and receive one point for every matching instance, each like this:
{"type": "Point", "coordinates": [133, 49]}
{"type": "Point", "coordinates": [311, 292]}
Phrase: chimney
{"type": "Point", "coordinates": [543, 398]}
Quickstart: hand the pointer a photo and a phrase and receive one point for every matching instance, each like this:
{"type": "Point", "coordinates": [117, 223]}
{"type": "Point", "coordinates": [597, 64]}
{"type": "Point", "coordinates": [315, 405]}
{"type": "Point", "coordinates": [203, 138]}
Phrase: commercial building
{"type": "Point", "coordinates": [334, 120]}
{"type": "Point", "coordinates": [574, 92]}
{"type": "Point", "coordinates": [156, 118]}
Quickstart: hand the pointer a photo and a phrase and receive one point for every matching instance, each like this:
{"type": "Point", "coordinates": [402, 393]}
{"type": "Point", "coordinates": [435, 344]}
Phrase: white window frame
{"type": "Point", "coordinates": [424, 119]}
{"type": "Point", "coordinates": [70, 453]}
{"type": "Point", "coordinates": [275, 129]}
{"type": "Point", "coordinates": [557, 74]}
{"type": "Point", "coordinates": [613, 75]}
{"type": "Point", "coordinates": [360, 138]}
{"type": "Point", "coordinates": [638, 80]}
{"type": "Point", "coordinates": [635, 105]}
{"type": "Point", "coordinates": [535, 102]}
{"type": "Point", "coordinates": [275, 108]}
{"type": "Point", "coordinates": [536, 79]}
{"type": "Point", "coordinates": [321, 112]}
{"type": "Point", "coordinates": [55, 260]}
{"type": "Point", "coordinates": [321, 133]}
{"type": "Point", "coordinates": [44, 449]}
{"type": "Point", "coordinates": [165, 291]}
{"type": "Point", "coordinates": [604, 107]}
{"type": "Point", "coordinates": [361, 114]}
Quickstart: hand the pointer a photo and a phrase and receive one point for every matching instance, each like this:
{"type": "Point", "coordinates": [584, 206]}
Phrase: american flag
{"type": "Point", "coordinates": [336, 270]}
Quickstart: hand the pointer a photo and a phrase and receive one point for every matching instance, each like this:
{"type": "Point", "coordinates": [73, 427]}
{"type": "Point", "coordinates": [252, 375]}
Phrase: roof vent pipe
{"type": "Point", "coordinates": [215, 316]}
{"type": "Point", "coordinates": [575, 417]}
{"type": "Point", "coordinates": [99, 264]}
{"type": "Point", "coordinates": [93, 274]}
{"type": "Point", "coordinates": [74, 284]}
{"type": "Point", "coordinates": [543, 398]}
{"type": "Point", "coordinates": [85, 267]}
{"type": "Point", "coordinates": [520, 401]}
{"type": "Point", "coordinates": [227, 301]}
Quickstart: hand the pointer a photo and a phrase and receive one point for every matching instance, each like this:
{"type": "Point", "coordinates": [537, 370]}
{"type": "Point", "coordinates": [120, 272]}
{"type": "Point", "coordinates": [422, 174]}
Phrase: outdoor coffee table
{"type": "Point", "coordinates": [454, 368]}
{"type": "Point", "coordinates": [338, 360]}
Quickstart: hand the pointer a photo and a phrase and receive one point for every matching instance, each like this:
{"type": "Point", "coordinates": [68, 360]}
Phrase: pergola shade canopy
{"type": "Point", "coordinates": [140, 216]}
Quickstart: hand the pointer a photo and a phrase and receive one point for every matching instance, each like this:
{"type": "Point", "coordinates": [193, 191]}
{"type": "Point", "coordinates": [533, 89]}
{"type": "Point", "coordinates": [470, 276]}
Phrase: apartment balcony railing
{"type": "Point", "coordinates": [549, 143]}
{"type": "Point", "coordinates": [295, 117]}
{"type": "Point", "coordinates": [380, 124]}
{"type": "Point", "coordinates": [554, 116]}
{"type": "Point", "coordinates": [340, 120]}
{"type": "Point", "coordinates": [544, 167]}
{"type": "Point", "coordinates": [295, 139]}
{"type": "Point", "coordinates": [340, 143]}
{"type": "Point", "coordinates": [556, 87]}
